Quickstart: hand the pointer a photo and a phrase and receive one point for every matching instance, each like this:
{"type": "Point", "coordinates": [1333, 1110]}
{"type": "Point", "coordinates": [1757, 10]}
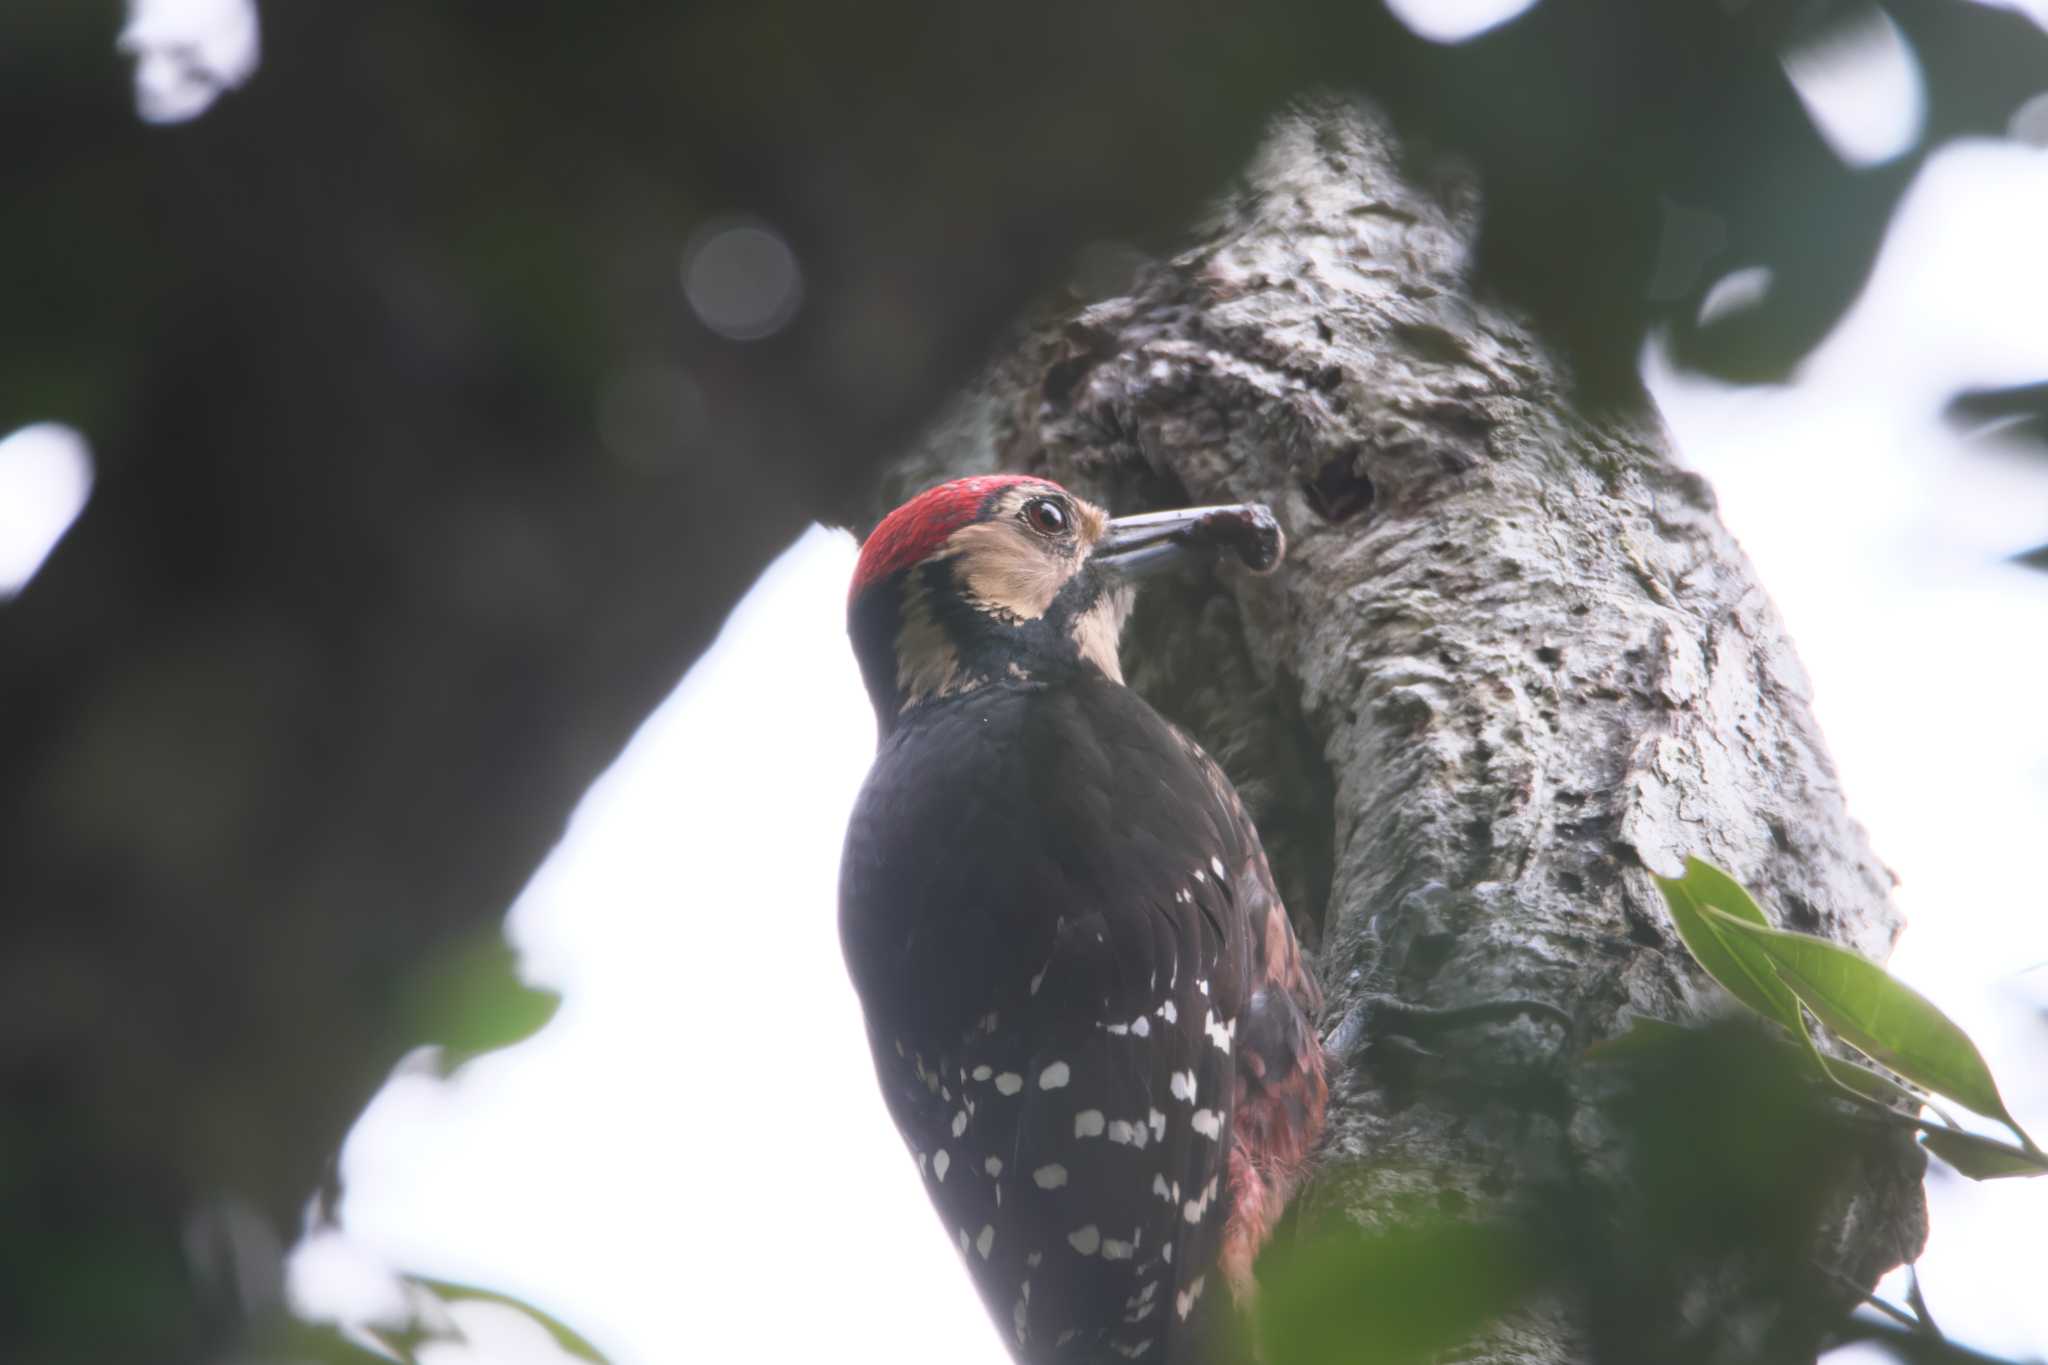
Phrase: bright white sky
{"type": "Point", "coordinates": [45, 477]}
{"type": "Point", "coordinates": [692, 1162]}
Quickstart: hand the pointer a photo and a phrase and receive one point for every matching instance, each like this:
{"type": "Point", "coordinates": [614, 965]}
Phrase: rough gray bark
{"type": "Point", "coordinates": [1516, 659]}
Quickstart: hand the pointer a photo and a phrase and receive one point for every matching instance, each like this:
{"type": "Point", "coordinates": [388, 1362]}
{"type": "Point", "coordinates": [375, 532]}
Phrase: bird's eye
{"type": "Point", "coordinates": [1045, 516]}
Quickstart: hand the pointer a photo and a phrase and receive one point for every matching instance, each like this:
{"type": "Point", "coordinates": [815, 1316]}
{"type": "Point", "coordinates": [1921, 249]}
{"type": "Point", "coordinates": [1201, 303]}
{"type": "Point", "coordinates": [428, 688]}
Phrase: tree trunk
{"type": "Point", "coordinates": [1515, 661]}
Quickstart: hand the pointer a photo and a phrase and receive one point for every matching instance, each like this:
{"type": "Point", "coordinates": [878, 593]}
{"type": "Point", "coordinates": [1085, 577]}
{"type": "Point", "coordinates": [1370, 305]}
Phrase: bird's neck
{"type": "Point", "coordinates": [926, 649]}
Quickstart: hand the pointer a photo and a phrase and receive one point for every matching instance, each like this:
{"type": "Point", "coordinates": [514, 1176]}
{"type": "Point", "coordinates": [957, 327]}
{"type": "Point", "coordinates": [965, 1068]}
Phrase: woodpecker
{"type": "Point", "coordinates": [1088, 1011]}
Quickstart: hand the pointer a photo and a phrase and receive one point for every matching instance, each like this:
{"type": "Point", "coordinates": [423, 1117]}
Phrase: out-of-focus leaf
{"type": "Point", "coordinates": [471, 1000]}
{"type": "Point", "coordinates": [329, 1343]}
{"type": "Point", "coordinates": [1880, 1016]}
{"type": "Point", "coordinates": [1979, 1158]}
{"type": "Point", "coordinates": [2017, 413]}
{"type": "Point", "coordinates": [1740, 968]}
{"type": "Point", "coordinates": [565, 1337]}
{"type": "Point", "coordinates": [1391, 1297]}
{"type": "Point", "coordinates": [1643, 1034]}
{"type": "Point", "coordinates": [429, 1323]}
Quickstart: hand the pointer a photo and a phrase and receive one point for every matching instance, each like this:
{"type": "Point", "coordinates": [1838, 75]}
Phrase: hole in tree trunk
{"type": "Point", "coordinates": [1339, 492]}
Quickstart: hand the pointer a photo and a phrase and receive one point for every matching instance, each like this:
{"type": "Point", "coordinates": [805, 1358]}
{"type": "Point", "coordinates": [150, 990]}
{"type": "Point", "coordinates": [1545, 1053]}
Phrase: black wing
{"type": "Point", "coordinates": [1037, 912]}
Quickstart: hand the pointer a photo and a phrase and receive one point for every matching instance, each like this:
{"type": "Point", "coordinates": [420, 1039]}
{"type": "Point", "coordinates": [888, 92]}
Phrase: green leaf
{"type": "Point", "coordinates": [1880, 1016]}
{"type": "Point", "coordinates": [1703, 903]}
{"type": "Point", "coordinates": [470, 1000]}
{"type": "Point", "coordinates": [1742, 970]}
{"type": "Point", "coordinates": [567, 1338]}
{"type": "Point", "coordinates": [1869, 1084]}
{"type": "Point", "coordinates": [1645, 1033]}
{"type": "Point", "coordinates": [1401, 1296]}
{"type": "Point", "coordinates": [1981, 1158]}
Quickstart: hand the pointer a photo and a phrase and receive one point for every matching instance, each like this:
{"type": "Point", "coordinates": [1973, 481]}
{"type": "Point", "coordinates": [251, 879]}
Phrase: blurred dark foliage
{"type": "Point", "coordinates": [1736, 1148]}
{"type": "Point", "coordinates": [419, 485]}
{"type": "Point", "coordinates": [2018, 413]}
{"type": "Point", "coordinates": [427, 1322]}
{"type": "Point", "coordinates": [2017, 418]}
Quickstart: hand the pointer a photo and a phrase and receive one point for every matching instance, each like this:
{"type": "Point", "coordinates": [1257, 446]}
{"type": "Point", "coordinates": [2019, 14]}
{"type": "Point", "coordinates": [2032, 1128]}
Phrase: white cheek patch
{"type": "Point", "coordinates": [1006, 570]}
{"type": "Point", "coordinates": [1097, 630]}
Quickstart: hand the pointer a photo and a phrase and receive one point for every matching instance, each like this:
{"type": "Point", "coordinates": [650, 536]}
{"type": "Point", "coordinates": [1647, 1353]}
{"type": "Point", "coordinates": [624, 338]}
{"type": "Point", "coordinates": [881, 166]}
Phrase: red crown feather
{"type": "Point", "coordinates": [917, 529]}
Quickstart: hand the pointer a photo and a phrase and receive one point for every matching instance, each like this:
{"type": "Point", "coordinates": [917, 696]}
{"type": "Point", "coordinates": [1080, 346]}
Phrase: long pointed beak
{"type": "Point", "coordinates": [1139, 545]}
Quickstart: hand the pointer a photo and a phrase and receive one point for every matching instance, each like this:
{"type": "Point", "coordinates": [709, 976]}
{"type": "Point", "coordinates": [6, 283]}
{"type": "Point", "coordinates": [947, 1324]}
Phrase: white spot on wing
{"type": "Point", "coordinates": [1085, 1240]}
{"type": "Point", "coordinates": [959, 1123]}
{"type": "Point", "coordinates": [1182, 1084]}
{"type": "Point", "coordinates": [1208, 1123]}
{"type": "Point", "coordinates": [1158, 1122]}
{"type": "Point", "coordinates": [939, 1164]}
{"type": "Point", "coordinates": [1009, 1083]}
{"type": "Point", "coordinates": [1050, 1177]}
{"type": "Point", "coordinates": [994, 1165]}
{"type": "Point", "coordinates": [986, 1240]}
{"type": "Point", "coordinates": [1113, 1250]}
{"type": "Point", "coordinates": [1184, 1302]}
{"type": "Point", "coordinates": [1088, 1123]}
{"type": "Point", "coordinates": [1219, 1034]}
{"type": "Point", "coordinates": [1216, 866]}
{"type": "Point", "coordinates": [1053, 1077]}
{"type": "Point", "coordinates": [982, 1073]}
{"type": "Point", "coordinates": [1169, 1012]}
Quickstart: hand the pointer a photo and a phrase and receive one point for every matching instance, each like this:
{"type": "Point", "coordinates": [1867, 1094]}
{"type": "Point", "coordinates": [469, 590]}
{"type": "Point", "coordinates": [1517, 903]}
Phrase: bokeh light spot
{"type": "Point", "coordinates": [1734, 292]}
{"type": "Point", "coordinates": [742, 280]}
{"type": "Point", "coordinates": [1861, 84]}
{"type": "Point", "coordinates": [1454, 21]}
{"type": "Point", "coordinates": [45, 477]}
{"type": "Point", "coordinates": [188, 53]}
